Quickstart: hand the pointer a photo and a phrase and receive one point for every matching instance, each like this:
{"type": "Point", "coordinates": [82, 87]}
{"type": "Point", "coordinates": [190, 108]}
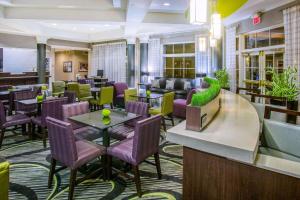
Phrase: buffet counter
{"type": "Point", "coordinates": [222, 161]}
{"type": "Point", "coordinates": [24, 78]}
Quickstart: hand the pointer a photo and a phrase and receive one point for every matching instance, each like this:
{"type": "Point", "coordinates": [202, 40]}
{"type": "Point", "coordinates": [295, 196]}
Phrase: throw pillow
{"type": "Point", "coordinates": [170, 85]}
{"type": "Point", "coordinates": [187, 85]}
{"type": "Point", "coordinates": [155, 84]}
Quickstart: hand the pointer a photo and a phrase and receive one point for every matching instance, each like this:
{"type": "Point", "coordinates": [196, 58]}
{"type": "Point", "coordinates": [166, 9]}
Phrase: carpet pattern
{"type": "Point", "coordinates": [30, 167]}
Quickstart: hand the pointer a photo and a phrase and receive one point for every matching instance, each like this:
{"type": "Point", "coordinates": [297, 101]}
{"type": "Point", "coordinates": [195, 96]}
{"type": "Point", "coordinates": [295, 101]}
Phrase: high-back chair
{"type": "Point", "coordinates": [72, 154]}
{"type": "Point", "coordinates": [125, 130]}
{"type": "Point", "coordinates": [73, 86]}
{"type": "Point", "coordinates": [119, 88]}
{"type": "Point", "coordinates": [142, 145]}
{"type": "Point", "coordinates": [85, 93]}
{"type": "Point", "coordinates": [14, 120]}
{"type": "Point", "coordinates": [105, 97]}
{"type": "Point", "coordinates": [180, 105]}
{"type": "Point", "coordinates": [129, 95]}
{"type": "Point", "coordinates": [4, 180]}
{"type": "Point", "coordinates": [166, 109]}
{"type": "Point", "coordinates": [58, 88]}
{"type": "Point", "coordinates": [25, 109]}
{"type": "Point", "coordinates": [50, 108]}
{"type": "Point", "coordinates": [71, 96]}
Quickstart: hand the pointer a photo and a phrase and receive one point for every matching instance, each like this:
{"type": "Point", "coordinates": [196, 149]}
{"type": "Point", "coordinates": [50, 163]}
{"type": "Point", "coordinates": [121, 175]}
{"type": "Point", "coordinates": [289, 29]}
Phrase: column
{"type": "Point", "coordinates": [41, 59]}
{"type": "Point", "coordinates": [144, 59]}
{"type": "Point", "coordinates": [131, 62]}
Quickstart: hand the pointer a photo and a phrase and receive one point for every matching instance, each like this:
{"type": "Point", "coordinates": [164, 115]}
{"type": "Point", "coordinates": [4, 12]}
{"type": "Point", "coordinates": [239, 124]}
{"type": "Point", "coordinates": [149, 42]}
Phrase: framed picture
{"type": "Point", "coordinates": [83, 67]}
{"type": "Point", "coordinates": [67, 67]}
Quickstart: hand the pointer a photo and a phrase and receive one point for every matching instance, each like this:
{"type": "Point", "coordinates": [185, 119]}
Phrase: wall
{"type": "Point", "coordinates": [76, 57]}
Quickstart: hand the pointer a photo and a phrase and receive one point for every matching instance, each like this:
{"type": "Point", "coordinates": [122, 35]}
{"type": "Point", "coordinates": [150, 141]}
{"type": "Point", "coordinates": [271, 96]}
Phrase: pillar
{"type": "Point", "coordinates": [41, 59]}
{"type": "Point", "coordinates": [144, 60]}
{"type": "Point", "coordinates": [131, 62]}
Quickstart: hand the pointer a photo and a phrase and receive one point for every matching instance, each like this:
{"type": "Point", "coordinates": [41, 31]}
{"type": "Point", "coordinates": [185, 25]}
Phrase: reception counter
{"type": "Point", "coordinates": [222, 161]}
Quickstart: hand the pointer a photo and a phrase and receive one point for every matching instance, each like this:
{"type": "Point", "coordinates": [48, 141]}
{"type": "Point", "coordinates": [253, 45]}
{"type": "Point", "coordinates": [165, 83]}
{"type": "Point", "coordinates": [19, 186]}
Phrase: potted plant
{"type": "Point", "coordinates": [285, 85]}
{"type": "Point", "coordinates": [223, 77]}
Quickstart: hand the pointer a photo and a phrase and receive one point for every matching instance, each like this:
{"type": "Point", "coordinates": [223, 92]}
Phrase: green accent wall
{"type": "Point", "coordinates": [228, 7]}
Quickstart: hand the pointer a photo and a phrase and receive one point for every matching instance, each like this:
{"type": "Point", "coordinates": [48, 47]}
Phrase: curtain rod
{"type": "Point", "coordinates": [108, 42]}
{"type": "Point", "coordinates": [295, 3]}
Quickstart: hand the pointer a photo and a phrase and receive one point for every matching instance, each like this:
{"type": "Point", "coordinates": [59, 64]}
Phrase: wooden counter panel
{"type": "Point", "coordinates": [206, 176]}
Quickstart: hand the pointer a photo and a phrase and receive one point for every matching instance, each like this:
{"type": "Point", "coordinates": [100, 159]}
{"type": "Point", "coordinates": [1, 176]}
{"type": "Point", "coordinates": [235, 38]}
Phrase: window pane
{"type": "Point", "coordinates": [178, 48]}
{"type": "Point", "coordinates": [169, 62]}
{"type": "Point", "coordinates": [178, 62]}
{"type": "Point", "coordinates": [190, 48]}
{"type": "Point", "coordinates": [190, 62]}
{"type": "Point", "coordinates": [250, 41]}
{"type": "Point", "coordinates": [169, 73]}
{"type": "Point", "coordinates": [178, 73]}
{"type": "Point", "coordinates": [277, 36]}
{"type": "Point", "coordinates": [189, 73]}
{"type": "Point", "coordinates": [169, 49]}
{"type": "Point", "coordinates": [263, 39]}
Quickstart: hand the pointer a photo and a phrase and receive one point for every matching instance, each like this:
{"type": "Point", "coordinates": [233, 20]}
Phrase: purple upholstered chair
{"type": "Point", "coordinates": [126, 130]}
{"type": "Point", "coordinates": [5, 87]}
{"type": "Point", "coordinates": [25, 109]}
{"type": "Point", "coordinates": [80, 131]}
{"type": "Point", "coordinates": [119, 93]}
{"type": "Point", "coordinates": [180, 105]}
{"type": "Point", "coordinates": [72, 154]}
{"type": "Point", "coordinates": [14, 120]}
{"type": "Point", "coordinates": [135, 150]}
{"type": "Point", "coordinates": [50, 108]}
{"type": "Point", "coordinates": [71, 96]}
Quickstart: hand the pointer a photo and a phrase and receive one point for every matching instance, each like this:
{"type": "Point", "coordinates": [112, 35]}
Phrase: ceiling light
{"type": "Point", "coordinates": [54, 24]}
{"type": "Point", "coordinates": [106, 25]}
{"type": "Point", "coordinates": [198, 11]}
{"type": "Point", "coordinates": [166, 4]}
{"type": "Point", "coordinates": [216, 26]}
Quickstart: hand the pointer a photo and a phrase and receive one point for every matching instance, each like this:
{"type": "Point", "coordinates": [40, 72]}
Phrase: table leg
{"type": "Point", "coordinates": [39, 109]}
{"type": "Point", "coordinates": [104, 158]}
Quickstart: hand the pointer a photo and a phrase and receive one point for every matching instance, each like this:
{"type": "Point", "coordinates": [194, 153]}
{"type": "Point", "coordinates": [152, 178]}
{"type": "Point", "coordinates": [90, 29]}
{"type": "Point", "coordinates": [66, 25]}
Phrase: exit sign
{"type": "Point", "coordinates": [256, 19]}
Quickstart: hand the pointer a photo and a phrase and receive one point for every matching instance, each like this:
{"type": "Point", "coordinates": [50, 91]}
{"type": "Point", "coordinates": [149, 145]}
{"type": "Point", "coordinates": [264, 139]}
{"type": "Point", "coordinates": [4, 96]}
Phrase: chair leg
{"type": "Point", "coordinates": [51, 172]}
{"type": "Point", "coordinates": [2, 136]}
{"type": "Point", "coordinates": [72, 183]}
{"type": "Point", "coordinates": [44, 137]}
{"type": "Point", "coordinates": [111, 106]}
{"type": "Point", "coordinates": [137, 180]}
{"type": "Point", "coordinates": [164, 123]}
{"type": "Point", "coordinates": [172, 119]}
{"type": "Point", "coordinates": [157, 164]}
{"type": "Point", "coordinates": [24, 129]}
{"type": "Point", "coordinates": [30, 131]}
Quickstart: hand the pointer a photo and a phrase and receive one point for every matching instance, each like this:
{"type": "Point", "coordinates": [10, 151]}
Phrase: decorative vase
{"type": "Point", "coordinates": [106, 113]}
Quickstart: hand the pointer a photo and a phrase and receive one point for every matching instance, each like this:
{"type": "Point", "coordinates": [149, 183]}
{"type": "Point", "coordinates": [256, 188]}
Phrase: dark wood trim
{"type": "Point", "coordinates": [253, 95]}
{"type": "Point", "coordinates": [207, 176]}
{"type": "Point", "coordinates": [254, 90]}
{"type": "Point", "coordinates": [269, 109]}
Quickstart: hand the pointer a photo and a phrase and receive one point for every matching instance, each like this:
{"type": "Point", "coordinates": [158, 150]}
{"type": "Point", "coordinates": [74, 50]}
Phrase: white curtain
{"type": "Point", "coordinates": [155, 68]}
{"type": "Point", "coordinates": [230, 50]}
{"type": "Point", "coordinates": [291, 17]}
{"type": "Point", "coordinates": [202, 55]}
{"type": "Point", "coordinates": [110, 57]}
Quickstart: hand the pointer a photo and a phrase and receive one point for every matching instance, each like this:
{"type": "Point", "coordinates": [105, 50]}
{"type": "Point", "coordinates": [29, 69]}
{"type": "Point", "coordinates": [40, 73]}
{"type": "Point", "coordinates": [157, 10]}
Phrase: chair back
{"type": "Point", "coordinates": [120, 88]}
{"type": "Point", "coordinates": [70, 110]}
{"type": "Point", "coordinates": [62, 141]}
{"type": "Point", "coordinates": [72, 86]}
{"type": "Point", "coordinates": [58, 87]}
{"type": "Point", "coordinates": [139, 108]}
{"type": "Point", "coordinates": [146, 138]}
{"type": "Point", "coordinates": [52, 108]}
{"type": "Point", "coordinates": [5, 87]}
{"type": "Point", "coordinates": [2, 114]}
{"type": "Point", "coordinates": [128, 95]}
{"type": "Point", "coordinates": [106, 95]}
{"type": "Point", "coordinates": [167, 103]}
{"type": "Point", "coordinates": [84, 90]}
{"type": "Point", "coordinates": [190, 96]}
{"type": "Point", "coordinates": [71, 96]}
{"type": "Point", "coordinates": [23, 95]}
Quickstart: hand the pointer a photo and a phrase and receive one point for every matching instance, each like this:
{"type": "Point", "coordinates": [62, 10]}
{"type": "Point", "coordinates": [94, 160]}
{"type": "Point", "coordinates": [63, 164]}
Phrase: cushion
{"type": "Point", "coordinates": [187, 85]}
{"type": "Point", "coordinates": [155, 84]}
{"type": "Point", "coordinates": [169, 85]}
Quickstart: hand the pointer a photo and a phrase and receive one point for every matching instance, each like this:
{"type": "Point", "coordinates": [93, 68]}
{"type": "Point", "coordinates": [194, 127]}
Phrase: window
{"type": "Point", "coordinates": [277, 36]}
{"type": "Point", "coordinates": [179, 60]}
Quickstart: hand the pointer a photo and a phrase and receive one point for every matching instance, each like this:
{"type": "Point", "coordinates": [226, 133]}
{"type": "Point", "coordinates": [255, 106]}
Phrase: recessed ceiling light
{"type": "Point", "coordinates": [54, 24]}
{"type": "Point", "coordinates": [106, 25]}
{"type": "Point", "coordinates": [166, 4]}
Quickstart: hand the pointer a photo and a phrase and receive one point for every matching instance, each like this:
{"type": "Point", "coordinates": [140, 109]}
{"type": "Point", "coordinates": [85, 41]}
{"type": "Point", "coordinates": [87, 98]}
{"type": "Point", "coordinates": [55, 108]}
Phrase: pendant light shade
{"type": "Point", "coordinates": [198, 11]}
{"type": "Point", "coordinates": [216, 26]}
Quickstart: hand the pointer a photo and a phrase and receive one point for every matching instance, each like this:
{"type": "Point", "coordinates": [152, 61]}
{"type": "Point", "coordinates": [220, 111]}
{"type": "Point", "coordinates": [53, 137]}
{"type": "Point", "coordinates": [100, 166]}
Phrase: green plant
{"type": "Point", "coordinates": [284, 84]}
{"type": "Point", "coordinates": [204, 97]}
{"type": "Point", "coordinates": [223, 77]}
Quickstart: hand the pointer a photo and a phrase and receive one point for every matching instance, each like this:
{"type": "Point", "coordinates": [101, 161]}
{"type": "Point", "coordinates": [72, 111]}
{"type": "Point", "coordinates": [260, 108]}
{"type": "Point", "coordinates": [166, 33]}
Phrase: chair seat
{"type": "Point", "coordinates": [86, 152]}
{"type": "Point", "coordinates": [180, 102]}
{"type": "Point", "coordinates": [86, 98]}
{"type": "Point", "coordinates": [121, 132]}
{"type": "Point", "coordinates": [37, 120]}
{"type": "Point", "coordinates": [56, 94]}
{"type": "Point", "coordinates": [87, 133]}
{"type": "Point", "coordinates": [94, 101]}
{"type": "Point", "coordinates": [123, 151]}
{"type": "Point", "coordinates": [28, 113]}
{"type": "Point", "coordinates": [278, 154]}
{"type": "Point", "coordinates": [14, 120]}
{"type": "Point", "coordinates": [155, 111]}
{"type": "Point", "coordinates": [120, 96]}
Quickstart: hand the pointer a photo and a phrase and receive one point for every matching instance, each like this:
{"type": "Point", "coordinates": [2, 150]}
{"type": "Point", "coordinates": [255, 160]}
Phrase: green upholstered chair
{"type": "Point", "coordinates": [74, 87]}
{"type": "Point", "coordinates": [85, 93]}
{"type": "Point", "coordinates": [58, 88]}
{"type": "Point", "coordinates": [105, 97]}
{"type": "Point", "coordinates": [166, 109]}
{"type": "Point", "coordinates": [128, 95]}
{"type": "Point", "coordinates": [4, 180]}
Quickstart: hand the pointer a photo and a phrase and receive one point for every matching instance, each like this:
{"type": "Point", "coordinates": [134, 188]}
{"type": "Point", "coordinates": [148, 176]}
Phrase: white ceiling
{"type": "Point", "coordinates": [100, 20]}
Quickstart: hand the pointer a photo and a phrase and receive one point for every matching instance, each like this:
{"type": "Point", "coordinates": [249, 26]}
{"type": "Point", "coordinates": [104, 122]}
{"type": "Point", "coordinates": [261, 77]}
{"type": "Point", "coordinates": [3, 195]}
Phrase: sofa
{"type": "Point", "coordinates": [179, 84]}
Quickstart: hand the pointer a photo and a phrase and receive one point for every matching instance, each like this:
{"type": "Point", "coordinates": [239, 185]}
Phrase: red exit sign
{"type": "Point", "coordinates": [256, 19]}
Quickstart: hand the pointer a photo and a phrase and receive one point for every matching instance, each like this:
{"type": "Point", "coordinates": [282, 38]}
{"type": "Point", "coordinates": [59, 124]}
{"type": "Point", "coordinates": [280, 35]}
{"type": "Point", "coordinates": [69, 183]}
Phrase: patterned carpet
{"type": "Point", "coordinates": [30, 167]}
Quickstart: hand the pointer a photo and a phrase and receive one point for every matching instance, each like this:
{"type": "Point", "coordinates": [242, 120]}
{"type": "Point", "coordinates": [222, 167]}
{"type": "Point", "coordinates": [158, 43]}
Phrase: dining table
{"type": "Point", "coordinates": [95, 91]}
{"type": "Point", "coordinates": [144, 96]}
{"type": "Point", "coordinates": [35, 101]}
